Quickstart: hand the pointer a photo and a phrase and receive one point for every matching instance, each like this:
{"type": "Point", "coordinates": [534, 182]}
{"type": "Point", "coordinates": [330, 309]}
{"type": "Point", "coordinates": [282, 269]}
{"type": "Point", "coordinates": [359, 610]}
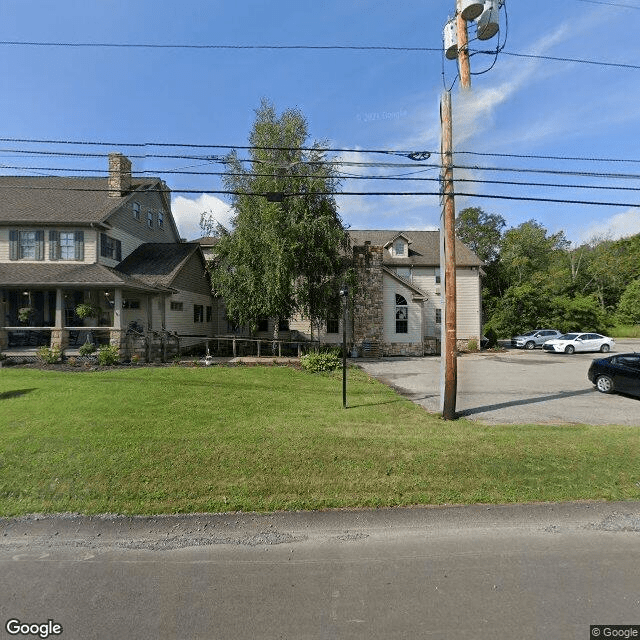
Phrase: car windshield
{"type": "Point", "coordinates": [528, 333]}
{"type": "Point", "coordinates": [569, 336]}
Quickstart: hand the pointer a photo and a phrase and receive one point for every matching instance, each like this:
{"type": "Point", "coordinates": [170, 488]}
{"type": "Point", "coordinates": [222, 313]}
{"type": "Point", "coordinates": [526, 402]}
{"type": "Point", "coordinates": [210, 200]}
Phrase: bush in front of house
{"type": "Point", "coordinates": [108, 355]}
{"type": "Point", "coordinates": [87, 349]}
{"type": "Point", "coordinates": [49, 355]}
{"type": "Point", "coordinates": [318, 361]}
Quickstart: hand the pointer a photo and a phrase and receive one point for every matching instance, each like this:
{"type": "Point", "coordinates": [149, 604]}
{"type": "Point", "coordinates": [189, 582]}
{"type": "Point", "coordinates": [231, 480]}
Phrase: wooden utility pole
{"type": "Point", "coordinates": [449, 361]}
{"type": "Point", "coordinates": [463, 50]}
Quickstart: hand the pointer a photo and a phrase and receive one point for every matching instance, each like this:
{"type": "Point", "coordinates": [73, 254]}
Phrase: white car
{"type": "Point", "coordinates": [572, 342]}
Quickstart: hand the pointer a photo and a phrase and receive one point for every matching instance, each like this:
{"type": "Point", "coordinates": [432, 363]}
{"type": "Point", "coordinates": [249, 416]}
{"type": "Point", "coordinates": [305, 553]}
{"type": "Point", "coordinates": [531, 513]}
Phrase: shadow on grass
{"type": "Point", "coordinates": [15, 394]}
{"type": "Point", "coordinates": [517, 403]}
{"type": "Point", "coordinates": [372, 404]}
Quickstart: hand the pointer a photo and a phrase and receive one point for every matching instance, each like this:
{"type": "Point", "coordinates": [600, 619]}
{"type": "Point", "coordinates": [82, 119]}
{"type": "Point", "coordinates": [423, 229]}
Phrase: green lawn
{"type": "Point", "coordinates": [176, 440]}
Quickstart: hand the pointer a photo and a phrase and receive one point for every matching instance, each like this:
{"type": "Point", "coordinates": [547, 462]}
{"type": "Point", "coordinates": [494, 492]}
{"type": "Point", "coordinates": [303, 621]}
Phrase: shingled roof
{"type": "Point", "coordinates": [72, 274]}
{"type": "Point", "coordinates": [424, 247]}
{"type": "Point", "coordinates": [57, 200]}
{"type": "Point", "coordinates": [157, 264]}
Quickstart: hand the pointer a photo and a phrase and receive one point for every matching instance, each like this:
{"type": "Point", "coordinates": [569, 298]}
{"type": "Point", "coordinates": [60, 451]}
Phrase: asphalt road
{"type": "Point", "coordinates": [514, 387]}
{"type": "Point", "coordinates": [522, 571]}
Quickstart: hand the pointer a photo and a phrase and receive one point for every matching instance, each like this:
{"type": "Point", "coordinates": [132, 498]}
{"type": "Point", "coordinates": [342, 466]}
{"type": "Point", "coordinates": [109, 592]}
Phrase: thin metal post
{"type": "Point", "coordinates": [344, 293]}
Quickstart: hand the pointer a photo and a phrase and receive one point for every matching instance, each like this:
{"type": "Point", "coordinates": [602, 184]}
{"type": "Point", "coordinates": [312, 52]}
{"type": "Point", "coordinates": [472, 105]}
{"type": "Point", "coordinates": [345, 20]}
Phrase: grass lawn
{"type": "Point", "coordinates": [176, 440]}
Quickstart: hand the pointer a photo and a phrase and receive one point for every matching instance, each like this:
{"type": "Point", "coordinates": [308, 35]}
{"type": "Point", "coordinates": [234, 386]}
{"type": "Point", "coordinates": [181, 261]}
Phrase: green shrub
{"type": "Point", "coordinates": [472, 345]}
{"type": "Point", "coordinates": [319, 361]}
{"type": "Point", "coordinates": [108, 355]}
{"type": "Point", "coordinates": [87, 349]}
{"type": "Point", "coordinates": [49, 355]}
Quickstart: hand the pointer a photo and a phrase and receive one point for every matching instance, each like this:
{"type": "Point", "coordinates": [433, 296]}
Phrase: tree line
{"type": "Point", "coordinates": [535, 278]}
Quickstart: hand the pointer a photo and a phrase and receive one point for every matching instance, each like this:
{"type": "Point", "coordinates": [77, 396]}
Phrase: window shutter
{"type": "Point", "coordinates": [13, 244]}
{"type": "Point", "coordinates": [54, 245]}
{"type": "Point", "coordinates": [40, 244]}
{"type": "Point", "coordinates": [103, 245]}
{"type": "Point", "coordinates": [78, 239]}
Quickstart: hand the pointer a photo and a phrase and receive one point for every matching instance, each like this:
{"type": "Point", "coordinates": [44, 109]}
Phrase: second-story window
{"type": "Point", "coordinates": [136, 210]}
{"type": "Point", "coordinates": [66, 245]}
{"type": "Point", "coordinates": [110, 247]}
{"type": "Point", "coordinates": [150, 219]}
{"type": "Point", "coordinates": [26, 245]}
{"type": "Point", "coordinates": [160, 220]}
{"type": "Point", "coordinates": [399, 247]}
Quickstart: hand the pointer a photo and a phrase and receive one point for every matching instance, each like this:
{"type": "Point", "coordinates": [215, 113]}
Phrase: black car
{"type": "Point", "coordinates": [616, 373]}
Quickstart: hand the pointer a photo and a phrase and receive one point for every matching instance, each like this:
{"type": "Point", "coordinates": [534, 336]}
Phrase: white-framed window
{"type": "Point", "coordinates": [198, 313]}
{"type": "Point", "coordinates": [398, 247]}
{"type": "Point", "coordinates": [438, 316]}
{"type": "Point", "coordinates": [177, 306]}
{"type": "Point", "coordinates": [402, 314]}
{"type": "Point", "coordinates": [136, 210]}
{"type": "Point", "coordinates": [160, 220]}
{"type": "Point", "coordinates": [66, 245]}
{"type": "Point", "coordinates": [150, 219]}
{"type": "Point", "coordinates": [26, 245]}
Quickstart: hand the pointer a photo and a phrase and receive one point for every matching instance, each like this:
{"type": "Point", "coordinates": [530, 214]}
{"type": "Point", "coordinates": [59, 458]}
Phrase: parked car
{"type": "Point", "coordinates": [535, 338]}
{"type": "Point", "coordinates": [616, 373]}
{"type": "Point", "coordinates": [572, 342]}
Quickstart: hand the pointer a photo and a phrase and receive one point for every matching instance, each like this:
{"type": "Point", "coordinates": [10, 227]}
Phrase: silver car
{"type": "Point", "coordinates": [535, 338]}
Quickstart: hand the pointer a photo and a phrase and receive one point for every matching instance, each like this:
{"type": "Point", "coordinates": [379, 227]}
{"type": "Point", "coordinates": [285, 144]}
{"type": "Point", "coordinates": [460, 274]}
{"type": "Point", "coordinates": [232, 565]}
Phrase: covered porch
{"type": "Point", "coordinates": [60, 317]}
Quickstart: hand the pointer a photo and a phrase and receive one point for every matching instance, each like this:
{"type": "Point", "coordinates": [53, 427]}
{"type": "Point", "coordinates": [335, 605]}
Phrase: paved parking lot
{"type": "Point", "coordinates": [514, 387]}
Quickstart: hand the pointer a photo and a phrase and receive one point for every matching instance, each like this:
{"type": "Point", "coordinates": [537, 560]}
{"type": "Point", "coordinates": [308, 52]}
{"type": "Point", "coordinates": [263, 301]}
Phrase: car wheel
{"type": "Point", "coordinates": [569, 349]}
{"type": "Point", "coordinates": [604, 384]}
{"type": "Point", "coordinates": [530, 345]}
{"type": "Point", "coordinates": [605, 348]}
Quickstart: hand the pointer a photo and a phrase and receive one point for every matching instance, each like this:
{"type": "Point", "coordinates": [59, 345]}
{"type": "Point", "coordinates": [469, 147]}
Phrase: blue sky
{"type": "Point", "coordinates": [353, 99]}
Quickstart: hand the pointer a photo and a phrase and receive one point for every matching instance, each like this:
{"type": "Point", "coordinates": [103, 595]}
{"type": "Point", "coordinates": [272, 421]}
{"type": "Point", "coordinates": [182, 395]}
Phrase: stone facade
{"type": "Point", "coordinates": [368, 313]}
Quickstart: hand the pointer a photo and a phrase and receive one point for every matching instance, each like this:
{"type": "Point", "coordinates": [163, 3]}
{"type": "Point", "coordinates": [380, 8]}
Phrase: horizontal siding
{"type": "Point", "coordinates": [468, 304]}
{"type": "Point", "coordinates": [89, 243]}
{"type": "Point", "coordinates": [182, 321]}
{"type": "Point", "coordinates": [124, 220]}
{"type": "Point", "coordinates": [193, 277]}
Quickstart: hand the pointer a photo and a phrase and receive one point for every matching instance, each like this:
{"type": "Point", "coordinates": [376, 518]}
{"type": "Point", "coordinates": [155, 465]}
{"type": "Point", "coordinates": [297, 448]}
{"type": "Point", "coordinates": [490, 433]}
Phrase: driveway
{"type": "Point", "coordinates": [514, 387]}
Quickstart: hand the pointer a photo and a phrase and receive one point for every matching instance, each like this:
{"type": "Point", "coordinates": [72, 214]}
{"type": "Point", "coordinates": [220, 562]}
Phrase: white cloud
{"type": "Point", "coordinates": [618, 226]}
{"type": "Point", "coordinates": [187, 213]}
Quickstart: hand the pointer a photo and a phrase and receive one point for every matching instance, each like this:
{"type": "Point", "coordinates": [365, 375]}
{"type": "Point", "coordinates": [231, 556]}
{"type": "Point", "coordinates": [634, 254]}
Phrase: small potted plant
{"type": "Point", "coordinates": [86, 310]}
{"type": "Point", "coordinates": [24, 314]}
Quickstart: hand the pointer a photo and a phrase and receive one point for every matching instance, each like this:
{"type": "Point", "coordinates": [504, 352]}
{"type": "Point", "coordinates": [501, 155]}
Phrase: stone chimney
{"type": "Point", "coordinates": [119, 175]}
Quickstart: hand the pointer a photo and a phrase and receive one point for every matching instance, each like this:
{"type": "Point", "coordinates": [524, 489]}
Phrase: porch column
{"type": "Point", "coordinates": [59, 337]}
{"type": "Point", "coordinates": [117, 310]}
{"type": "Point", "coordinates": [4, 307]}
{"type": "Point", "coordinates": [115, 337]}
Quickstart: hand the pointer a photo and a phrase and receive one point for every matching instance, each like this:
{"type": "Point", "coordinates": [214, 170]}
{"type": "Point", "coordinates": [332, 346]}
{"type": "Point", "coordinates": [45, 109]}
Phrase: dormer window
{"type": "Point", "coordinates": [399, 247]}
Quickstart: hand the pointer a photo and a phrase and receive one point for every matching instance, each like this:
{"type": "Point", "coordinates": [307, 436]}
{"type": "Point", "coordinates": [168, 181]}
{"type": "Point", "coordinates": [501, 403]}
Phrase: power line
{"type": "Point", "coordinates": [267, 47]}
{"type": "Point", "coordinates": [187, 145]}
{"type": "Point", "coordinates": [339, 176]}
{"type": "Point", "coordinates": [265, 194]}
{"type": "Point", "coordinates": [612, 4]}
